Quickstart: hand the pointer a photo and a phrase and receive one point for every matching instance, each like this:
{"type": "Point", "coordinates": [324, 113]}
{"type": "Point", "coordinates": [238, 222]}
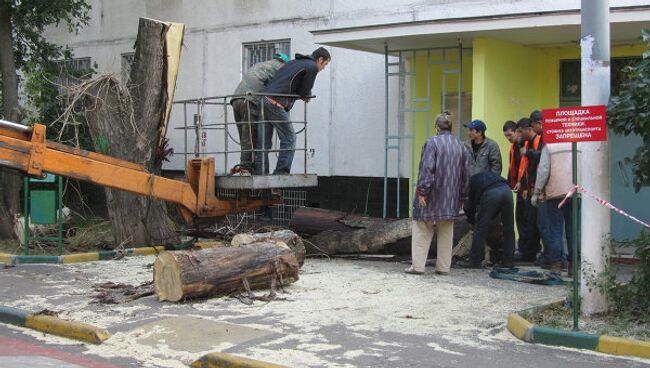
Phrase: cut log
{"type": "Point", "coordinates": [179, 275]}
{"type": "Point", "coordinates": [286, 237]}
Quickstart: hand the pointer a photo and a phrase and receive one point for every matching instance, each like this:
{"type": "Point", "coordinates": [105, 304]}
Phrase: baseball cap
{"type": "Point", "coordinates": [282, 56]}
{"type": "Point", "coordinates": [536, 116]}
{"type": "Point", "coordinates": [476, 124]}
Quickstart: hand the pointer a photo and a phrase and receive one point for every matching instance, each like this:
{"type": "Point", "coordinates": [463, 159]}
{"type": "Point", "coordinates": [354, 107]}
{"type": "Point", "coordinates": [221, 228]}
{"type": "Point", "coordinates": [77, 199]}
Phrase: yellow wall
{"type": "Point", "coordinates": [507, 82]}
{"type": "Point", "coordinates": [507, 85]}
{"type": "Point", "coordinates": [511, 80]}
{"type": "Point", "coordinates": [422, 123]}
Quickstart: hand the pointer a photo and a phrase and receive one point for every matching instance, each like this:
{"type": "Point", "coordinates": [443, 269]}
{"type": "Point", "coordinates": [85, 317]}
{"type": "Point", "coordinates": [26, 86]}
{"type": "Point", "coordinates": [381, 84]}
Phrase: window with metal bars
{"type": "Point", "coordinates": [72, 71]}
{"type": "Point", "coordinates": [127, 61]}
{"type": "Point", "coordinates": [257, 52]}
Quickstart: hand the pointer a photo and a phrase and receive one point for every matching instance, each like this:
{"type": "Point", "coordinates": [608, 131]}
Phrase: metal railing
{"type": "Point", "coordinates": [203, 115]}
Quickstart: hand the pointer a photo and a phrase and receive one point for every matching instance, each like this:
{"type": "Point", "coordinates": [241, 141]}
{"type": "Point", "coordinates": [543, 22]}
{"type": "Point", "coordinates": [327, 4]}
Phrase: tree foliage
{"type": "Point", "coordinates": [29, 20]}
{"type": "Point", "coordinates": [24, 48]}
{"type": "Point", "coordinates": [34, 56]}
{"type": "Point", "coordinates": [629, 113]}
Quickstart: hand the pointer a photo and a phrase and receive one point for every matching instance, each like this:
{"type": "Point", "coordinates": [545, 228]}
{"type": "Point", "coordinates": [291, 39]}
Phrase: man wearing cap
{"type": "Point", "coordinates": [296, 78]}
{"type": "Point", "coordinates": [554, 180]}
{"type": "Point", "coordinates": [246, 107]}
{"type": "Point", "coordinates": [536, 120]}
{"type": "Point", "coordinates": [484, 152]}
{"type": "Point", "coordinates": [530, 157]}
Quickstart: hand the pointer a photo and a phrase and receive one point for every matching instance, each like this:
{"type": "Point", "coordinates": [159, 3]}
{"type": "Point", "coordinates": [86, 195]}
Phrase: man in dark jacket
{"type": "Point", "coordinates": [531, 152]}
{"type": "Point", "coordinates": [489, 195]}
{"type": "Point", "coordinates": [295, 78]}
{"type": "Point", "coordinates": [485, 153]}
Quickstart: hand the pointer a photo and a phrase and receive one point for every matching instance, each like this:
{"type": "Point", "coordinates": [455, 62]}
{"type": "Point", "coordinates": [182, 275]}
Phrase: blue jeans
{"type": "Point", "coordinates": [278, 119]}
{"type": "Point", "coordinates": [552, 223]}
{"type": "Point", "coordinates": [494, 201]}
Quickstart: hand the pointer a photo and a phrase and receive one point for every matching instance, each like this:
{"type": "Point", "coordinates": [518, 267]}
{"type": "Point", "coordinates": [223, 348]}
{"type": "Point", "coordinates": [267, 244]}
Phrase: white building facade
{"type": "Point", "coordinates": [346, 136]}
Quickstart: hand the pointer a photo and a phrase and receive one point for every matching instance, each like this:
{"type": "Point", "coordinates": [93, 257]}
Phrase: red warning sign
{"type": "Point", "coordinates": [575, 124]}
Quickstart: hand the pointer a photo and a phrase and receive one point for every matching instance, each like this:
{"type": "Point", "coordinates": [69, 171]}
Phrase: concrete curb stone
{"type": "Point", "coordinates": [526, 331]}
{"type": "Point", "coordinates": [54, 325]}
{"type": "Point", "coordinates": [11, 259]}
{"type": "Point", "coordinates": [219, 360]}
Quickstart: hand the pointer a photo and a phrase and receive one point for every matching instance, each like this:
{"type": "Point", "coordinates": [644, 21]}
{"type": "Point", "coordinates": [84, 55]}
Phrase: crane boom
{"type": "Point", "coordinates": [25, 149]}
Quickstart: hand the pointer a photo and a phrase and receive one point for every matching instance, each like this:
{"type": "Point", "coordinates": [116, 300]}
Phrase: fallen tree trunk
{"type": "Point", "coordinates": [334, 232]}
{"type": "Point", "coordinates": [286, 237]}
{"type": "Point", "coordinates": [369, 240]}
{"type": "Point", "coordinates": [181, 275]}
{"type": "Point", "coordinates": [312, 221]}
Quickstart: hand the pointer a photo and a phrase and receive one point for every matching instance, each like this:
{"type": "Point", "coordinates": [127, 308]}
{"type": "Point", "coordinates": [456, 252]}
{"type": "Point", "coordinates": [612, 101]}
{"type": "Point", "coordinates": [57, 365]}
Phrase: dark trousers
{"type": "Point", "coordinates": [532, 245]}
{"type": "Point", "coordinates": [245, 113]}
{"type": "Point", "coordinates": [520, 218]}
{"type": "Point", "coordinates": [494, 201]}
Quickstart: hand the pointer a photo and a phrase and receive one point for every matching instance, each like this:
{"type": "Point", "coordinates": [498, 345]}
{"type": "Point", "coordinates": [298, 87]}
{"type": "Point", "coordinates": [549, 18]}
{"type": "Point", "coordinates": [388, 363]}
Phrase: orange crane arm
{"type": "Point", "coordinates": [26, 149]}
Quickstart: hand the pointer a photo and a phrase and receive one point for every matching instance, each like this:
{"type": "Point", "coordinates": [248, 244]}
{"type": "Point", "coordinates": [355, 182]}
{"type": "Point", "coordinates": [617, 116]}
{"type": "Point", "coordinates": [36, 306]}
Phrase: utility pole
{"type": "Point", "coordinates": [595, 172]}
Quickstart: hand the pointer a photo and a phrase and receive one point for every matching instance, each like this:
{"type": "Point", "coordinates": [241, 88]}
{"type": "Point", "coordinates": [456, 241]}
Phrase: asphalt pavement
{"type": "Point", "coordinates": [341, 313]}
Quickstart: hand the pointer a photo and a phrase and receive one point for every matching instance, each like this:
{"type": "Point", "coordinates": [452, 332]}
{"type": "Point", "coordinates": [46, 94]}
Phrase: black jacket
{"type": "Point", "coordinates": [478, 184]}
{"type": "Point", "coordinates": [296, 78]}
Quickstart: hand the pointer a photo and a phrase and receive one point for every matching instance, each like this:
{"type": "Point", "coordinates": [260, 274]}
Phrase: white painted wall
{"type": "Point", "coordinates": [346, 119]}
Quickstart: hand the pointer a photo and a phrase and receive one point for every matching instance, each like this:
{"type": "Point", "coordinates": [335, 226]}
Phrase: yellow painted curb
{"type": "Point", "coordinates": [5, 258]}
{"type": "Point", "coordinates": [70, 329]}
{"type": "Point", "coordinates": [81, 257]}
{"type": "Point", "coordinates": [620, 346]}
{"type": "Point", "coordinates": [224, 360]}
{"type": "Point", "coordinates": [519, 326]}
{"type": "Point", "coordinates": [145, 251]}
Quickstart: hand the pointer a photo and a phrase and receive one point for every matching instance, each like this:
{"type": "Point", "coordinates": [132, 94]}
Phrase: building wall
{"type": "Point", "coordinates": [346, 133]}
{"type": "Point", "coordinates": [508, 86]}
{"type": "Point", "coordinates": [511, 80]}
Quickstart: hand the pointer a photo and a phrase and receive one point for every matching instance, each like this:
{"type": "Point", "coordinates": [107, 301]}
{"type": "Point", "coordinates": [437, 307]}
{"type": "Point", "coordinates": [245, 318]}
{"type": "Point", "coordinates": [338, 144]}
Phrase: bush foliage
{"type": "Point", "coordinates": [629, 113]}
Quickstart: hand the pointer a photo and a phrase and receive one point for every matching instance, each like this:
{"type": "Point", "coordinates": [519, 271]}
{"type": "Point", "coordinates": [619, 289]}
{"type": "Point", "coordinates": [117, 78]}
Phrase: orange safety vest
{"type": "Point", "coordinates": [512, 169]}
{"type": "Point", "coordinates": [523, 162]}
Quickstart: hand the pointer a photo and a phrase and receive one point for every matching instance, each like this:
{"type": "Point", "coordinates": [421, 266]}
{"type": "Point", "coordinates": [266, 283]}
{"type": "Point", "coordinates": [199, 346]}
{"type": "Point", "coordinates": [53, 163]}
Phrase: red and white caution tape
{"type": "Point", "coordinates": [601, 201]}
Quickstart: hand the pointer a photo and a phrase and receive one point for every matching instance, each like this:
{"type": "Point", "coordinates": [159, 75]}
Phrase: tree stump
{"type": "Point", "coordinates": [286, 237]}
{"type": "Point", "coordinates": [179, 275]}
{"type": "Point", "coordinates": [129, 123]}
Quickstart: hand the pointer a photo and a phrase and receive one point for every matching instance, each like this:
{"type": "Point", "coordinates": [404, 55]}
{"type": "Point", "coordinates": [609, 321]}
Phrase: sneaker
{"type": "Point", "coordinates": [413, 271]}
{"type": "Point", "coordinates": [239, 170]}
{"type": "Point", "coordinates": [442, 273]}
{"type": "Point", "coordinates": [556, 267]}
{"type": "Point", "coordinates": [467, 264]}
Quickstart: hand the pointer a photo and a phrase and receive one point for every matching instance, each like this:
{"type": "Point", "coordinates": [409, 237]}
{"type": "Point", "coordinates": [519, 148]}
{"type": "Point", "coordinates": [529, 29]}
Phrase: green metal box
{"type": "Point", "coordinates": [42, 207]}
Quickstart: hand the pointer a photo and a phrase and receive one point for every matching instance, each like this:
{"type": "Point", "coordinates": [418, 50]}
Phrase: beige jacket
{"type": "Point", "coordinates": [555, 171]}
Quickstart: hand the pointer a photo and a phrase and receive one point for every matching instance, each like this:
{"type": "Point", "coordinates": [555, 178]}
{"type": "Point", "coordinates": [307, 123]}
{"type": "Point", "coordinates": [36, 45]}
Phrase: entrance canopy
{"type": "Point", "coordinates": [553, 28]}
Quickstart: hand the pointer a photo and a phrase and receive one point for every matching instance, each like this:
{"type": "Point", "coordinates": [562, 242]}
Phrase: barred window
{"type": "Point", "coordinates": [127, 61]}
{"type": "Point", "coordinates": [257, 52]}
{"type": "Point", "coordinates": [72, 71]}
